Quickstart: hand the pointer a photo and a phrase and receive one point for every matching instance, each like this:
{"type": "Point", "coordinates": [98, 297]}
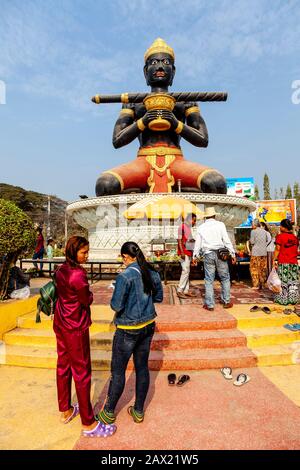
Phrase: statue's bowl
{"type": "Point", "coordinates": [159, 101]}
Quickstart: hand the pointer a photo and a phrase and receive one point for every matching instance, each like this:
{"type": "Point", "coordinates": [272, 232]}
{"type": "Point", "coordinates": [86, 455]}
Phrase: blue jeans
{"type": "Point", "coordinates": [39, 255]}
{"type": "Point", "coordinates": [126, 343]}
{"type": "Point", "coordinates": [212, 264]}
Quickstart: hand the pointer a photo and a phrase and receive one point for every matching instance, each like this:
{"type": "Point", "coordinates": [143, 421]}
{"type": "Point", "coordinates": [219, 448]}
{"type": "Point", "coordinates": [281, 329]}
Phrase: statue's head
{"type": "Point", "coordinates": [159, 69]}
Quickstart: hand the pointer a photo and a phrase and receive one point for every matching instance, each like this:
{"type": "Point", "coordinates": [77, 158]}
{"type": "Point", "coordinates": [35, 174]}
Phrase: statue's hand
{"type": "Point", "coordinates": [169, 116]}
{"type": "Point", "coordinates": [150, 116]}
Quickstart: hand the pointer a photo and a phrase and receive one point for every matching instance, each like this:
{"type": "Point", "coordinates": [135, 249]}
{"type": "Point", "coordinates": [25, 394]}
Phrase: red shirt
{"type": "Point", "coordinates": [72, 311]}
{"type": "Point", "coordinates": [39, 243]}
{"type": "Point", "coordinates": [184, 234]}
{"type": "Point", "coordinates": [288, 248]}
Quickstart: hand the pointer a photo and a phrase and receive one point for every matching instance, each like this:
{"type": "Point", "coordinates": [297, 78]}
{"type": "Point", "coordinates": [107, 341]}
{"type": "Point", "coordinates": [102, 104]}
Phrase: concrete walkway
{"type": "Point", "coordinates": [206, 413]}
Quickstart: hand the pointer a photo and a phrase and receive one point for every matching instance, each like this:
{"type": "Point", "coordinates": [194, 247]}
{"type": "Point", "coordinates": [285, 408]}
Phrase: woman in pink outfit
{"type": "Point", "coordinates": [72, 320]}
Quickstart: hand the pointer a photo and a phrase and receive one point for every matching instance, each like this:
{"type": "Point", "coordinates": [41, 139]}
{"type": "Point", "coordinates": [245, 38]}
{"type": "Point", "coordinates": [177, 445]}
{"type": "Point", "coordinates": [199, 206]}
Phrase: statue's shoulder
{"type": "Point", "coordinates": [128, 109]}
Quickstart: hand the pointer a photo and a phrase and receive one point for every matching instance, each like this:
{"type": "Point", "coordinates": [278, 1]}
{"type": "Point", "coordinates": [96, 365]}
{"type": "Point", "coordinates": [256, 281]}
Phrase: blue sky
{"type": "Point", "coordinates": [55, 55]}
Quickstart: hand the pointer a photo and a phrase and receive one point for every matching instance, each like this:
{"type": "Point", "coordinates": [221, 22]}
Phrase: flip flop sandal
{"type": "Point", "coordinates": [287, 311]}
{"type": "Point", "coordinates": [172, 379]}
{"type": "Point", "coordinates": [73, 415]}
{"type": "Point", "coordinates": [266, 310]}
{"type": "Point", "coordinates": [241, 380]}
{"type": "Point", "coordinates": [290, 327]}
{"type": "Point", "coordinates": [256, 308]}
{"type": "Point", "coordinates": [227, 373]}
{"type": "Point", "coordinates": [182, 380]}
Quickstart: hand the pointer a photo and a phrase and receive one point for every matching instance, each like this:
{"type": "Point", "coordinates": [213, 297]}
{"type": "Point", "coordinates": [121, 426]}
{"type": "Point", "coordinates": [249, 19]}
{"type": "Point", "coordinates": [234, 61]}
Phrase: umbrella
{"type": "Point", "coordinates": [162, 207]}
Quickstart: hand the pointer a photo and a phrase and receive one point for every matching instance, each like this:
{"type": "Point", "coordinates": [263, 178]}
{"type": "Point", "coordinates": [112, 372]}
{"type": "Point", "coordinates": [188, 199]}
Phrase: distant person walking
{"type": "Point", "coordinates": [285, 259]}
{"type": "Point", "coordinates": [184, 235]}
{"type": "Point", "coordinates": [258, 262]}
{"type": "Point", "coordinates": [39, 248]}
{"type": "Point", "coordinates": [72, 320]}
{"type": "Point", "coordinates": [50, 248]}
{"type": "Point", "coordinates": [211, 236]}
{"type": "Point", "coordinates": [270, 248]}
{"type": "Point", "coordinates": [137, 289]}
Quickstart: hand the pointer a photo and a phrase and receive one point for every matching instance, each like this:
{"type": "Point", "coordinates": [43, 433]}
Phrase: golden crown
{"type": "Point", "coordinates": [159, 45]}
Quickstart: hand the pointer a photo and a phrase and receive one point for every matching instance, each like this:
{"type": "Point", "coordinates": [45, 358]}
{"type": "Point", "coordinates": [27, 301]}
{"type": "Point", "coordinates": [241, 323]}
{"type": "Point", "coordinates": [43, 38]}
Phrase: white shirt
{"type": "Point", "coordinates": [212, 235]}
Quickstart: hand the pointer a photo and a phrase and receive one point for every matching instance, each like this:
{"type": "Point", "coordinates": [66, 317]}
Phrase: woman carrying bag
{"type": "Point", "coordinates": [136, 290]}
{"type": "Point", "coordinates": [72, 320]}
{"type": "Point", "coordinates": [285, 260]}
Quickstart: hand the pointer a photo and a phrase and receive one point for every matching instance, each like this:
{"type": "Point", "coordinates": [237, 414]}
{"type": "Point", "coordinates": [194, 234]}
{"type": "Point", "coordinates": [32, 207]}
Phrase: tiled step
{"type": "Point", "coordinates": [280, 355]}
{"type": "Point", "coordinates": [257, 337]}
{"type": "Point", "coordinates": [246, 319]}
{"type": "Point", "coordinates": [175, 340]}
{"type": "Point", "coordinates": [194, 359]}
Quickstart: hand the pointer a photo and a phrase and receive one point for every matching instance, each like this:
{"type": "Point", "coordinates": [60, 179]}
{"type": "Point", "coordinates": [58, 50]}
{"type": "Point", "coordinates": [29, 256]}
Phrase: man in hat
{"type": "Point", "coordinates": [211, 236]}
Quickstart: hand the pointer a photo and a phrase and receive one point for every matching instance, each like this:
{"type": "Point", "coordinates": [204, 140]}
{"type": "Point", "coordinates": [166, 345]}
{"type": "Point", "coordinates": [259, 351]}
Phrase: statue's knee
{"type": "Point", "coordinates": [107, 184]}
{"type": "Point", "coordinates": [213, 182]}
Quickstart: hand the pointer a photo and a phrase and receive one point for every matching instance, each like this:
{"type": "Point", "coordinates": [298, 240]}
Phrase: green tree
{"type": "Point", "coordinates": [276, 194]}
{"type": "Point", "coordinates": [256, 192]}
{"type": "Point", "coordinates": [296, 191]}
{"type": "Point", "coordinates": [17, 236]}
{"type": "Point", "coordinates": [288, 193]}
{"type": "Point", "coordinates": [281, 193]}
{"type": "Point", "coordinates": [266, 187]}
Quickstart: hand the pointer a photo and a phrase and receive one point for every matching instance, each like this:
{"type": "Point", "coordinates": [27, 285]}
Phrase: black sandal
{"type": "Point", "coordinates": [171, 379]}
{"type": "Point", "coordinates": [182, 380]}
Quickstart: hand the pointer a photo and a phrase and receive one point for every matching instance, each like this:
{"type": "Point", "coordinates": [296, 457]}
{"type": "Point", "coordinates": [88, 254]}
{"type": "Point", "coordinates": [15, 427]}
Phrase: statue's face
{"type": "Point", "coordinates": [159, 70]}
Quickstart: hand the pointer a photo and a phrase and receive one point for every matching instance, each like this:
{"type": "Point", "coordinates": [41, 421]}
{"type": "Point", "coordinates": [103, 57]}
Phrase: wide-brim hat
{"type": "Point", "coordinates": [209, 212]}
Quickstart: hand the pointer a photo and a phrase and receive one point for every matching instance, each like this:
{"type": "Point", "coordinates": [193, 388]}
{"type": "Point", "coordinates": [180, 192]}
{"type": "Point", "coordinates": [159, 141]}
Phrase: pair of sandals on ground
{"type": "Point", "coordinates": [240, 380]}
{"type": "Point", "coordinates": [268, 310]}
{"type": "Point", "coordinates": [182, 379]}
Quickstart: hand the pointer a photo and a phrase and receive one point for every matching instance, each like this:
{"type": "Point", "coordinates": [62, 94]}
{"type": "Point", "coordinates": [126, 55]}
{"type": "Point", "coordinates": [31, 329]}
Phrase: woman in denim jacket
{"type": "Point", "coordinates": [136, 290]}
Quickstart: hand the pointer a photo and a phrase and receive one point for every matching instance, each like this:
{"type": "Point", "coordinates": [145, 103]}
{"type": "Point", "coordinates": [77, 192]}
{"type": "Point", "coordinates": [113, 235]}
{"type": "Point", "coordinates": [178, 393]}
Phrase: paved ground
{"type": "Point", "coordinates": [207, 413]}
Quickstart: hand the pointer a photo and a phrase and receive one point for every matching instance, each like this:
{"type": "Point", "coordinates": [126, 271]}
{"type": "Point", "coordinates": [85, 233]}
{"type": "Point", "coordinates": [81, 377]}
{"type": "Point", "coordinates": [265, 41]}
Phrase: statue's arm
{"type": "Point", "coordinates": [195, 131]}
{"type": "Point", "coordinates": [126, 128]}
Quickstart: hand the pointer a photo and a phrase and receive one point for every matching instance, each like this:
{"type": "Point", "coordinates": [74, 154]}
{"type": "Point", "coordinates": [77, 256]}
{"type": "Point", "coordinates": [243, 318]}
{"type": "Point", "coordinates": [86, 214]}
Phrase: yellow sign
{"type": "Point", "coordinates": [274, 211]}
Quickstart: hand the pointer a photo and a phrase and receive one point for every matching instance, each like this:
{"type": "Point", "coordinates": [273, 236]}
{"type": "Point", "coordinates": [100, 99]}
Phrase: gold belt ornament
{"type": "Point", "coordinates": [159, 151]}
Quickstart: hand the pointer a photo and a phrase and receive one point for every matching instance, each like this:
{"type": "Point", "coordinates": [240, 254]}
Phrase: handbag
{"type": "Point", "coordinates": [47, 300]}
{"type": "Point", "coordinates": [223, 254]}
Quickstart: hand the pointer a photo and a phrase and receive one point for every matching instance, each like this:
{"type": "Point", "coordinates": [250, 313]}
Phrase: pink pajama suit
{"type": "Point", "coordinates": [72, 320]}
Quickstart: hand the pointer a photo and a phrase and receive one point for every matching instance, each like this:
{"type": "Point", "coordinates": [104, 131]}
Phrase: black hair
{"type": "Point", "coordinates": [265, 226]}
{"type": "Point", "coordinates": [133, 250]}
{"type": "Point", "coordinates": [286, 223]}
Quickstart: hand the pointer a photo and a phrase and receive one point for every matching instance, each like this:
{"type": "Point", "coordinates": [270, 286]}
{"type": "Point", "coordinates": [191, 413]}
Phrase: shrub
{"type": "Point", "coordinates": [17, 236]}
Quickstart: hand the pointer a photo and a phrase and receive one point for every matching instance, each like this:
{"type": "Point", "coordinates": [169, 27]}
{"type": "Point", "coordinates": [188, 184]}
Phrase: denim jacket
{"type": "Point", "coordinates": [129, 301]}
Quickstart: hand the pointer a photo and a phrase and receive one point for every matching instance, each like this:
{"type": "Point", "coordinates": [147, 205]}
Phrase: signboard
{"type": "Point", "coordinates": [243, 187]}
{"type": "Point", "coordinates": [274, 211]}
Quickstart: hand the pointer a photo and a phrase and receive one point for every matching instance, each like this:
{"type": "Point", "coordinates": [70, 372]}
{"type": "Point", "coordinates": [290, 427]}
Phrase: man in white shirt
{"type": "Point", "coordinates": [211, 236]}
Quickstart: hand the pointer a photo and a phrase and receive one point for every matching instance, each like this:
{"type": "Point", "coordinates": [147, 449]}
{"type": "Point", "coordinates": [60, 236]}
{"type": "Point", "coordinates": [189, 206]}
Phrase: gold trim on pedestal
{"type": "Point", "coordinates": [192, 109]}
{"type": "Point", "coordinates": [118, 178]}
{"type": "Point", "coordinates": [179, 128]}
